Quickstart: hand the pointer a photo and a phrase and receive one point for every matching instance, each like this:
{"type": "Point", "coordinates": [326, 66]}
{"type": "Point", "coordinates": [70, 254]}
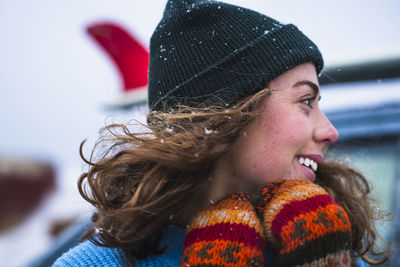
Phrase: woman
{"type": "Point", "coordinates": [233, 155]}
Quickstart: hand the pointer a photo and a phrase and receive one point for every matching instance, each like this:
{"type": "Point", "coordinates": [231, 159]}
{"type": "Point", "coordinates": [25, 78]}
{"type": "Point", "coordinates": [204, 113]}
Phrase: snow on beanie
{"type": "Point", "coordinates": [204, 52]}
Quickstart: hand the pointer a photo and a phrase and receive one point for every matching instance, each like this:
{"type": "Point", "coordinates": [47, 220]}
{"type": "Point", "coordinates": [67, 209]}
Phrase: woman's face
{"type": "Point", "coordinates": [290, 133]}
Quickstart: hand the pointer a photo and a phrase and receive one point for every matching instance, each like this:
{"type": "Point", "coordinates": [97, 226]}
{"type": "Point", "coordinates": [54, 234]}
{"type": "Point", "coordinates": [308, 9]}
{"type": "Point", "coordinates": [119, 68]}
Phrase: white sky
{"type": "Point", "coordinates": [54, 81]}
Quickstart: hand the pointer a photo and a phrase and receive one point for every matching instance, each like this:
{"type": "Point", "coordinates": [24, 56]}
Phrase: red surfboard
{"type": "Point", "coordinates": [129, 56]}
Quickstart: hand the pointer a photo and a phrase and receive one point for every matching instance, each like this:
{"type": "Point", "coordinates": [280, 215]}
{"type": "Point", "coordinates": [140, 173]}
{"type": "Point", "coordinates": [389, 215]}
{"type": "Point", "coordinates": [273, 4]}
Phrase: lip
{"type": "Point", "coordinates": [308, 172]}
{"type": "Point", "coordinates": [310, 175]}
{"type": "Point", "coordinates": [315, 157]}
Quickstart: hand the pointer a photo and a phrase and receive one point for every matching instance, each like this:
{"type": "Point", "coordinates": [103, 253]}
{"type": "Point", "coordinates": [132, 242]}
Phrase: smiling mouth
{"type": "Point", "coordinates": [309, 163]}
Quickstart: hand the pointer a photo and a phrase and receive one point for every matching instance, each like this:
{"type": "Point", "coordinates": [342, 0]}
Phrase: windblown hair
{"type": "Point", "coordinates": [143, 180]}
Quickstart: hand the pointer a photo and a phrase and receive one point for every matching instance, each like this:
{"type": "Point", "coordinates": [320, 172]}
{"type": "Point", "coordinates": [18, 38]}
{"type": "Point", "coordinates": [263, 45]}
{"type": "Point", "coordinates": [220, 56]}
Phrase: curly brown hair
{"type": "Point", "coordinates": [144, 180]}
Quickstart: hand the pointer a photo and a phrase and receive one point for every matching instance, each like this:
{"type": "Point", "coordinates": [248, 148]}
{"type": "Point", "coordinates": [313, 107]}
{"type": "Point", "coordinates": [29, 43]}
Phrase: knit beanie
{"type": "Point", "coordinates": [206, 52]}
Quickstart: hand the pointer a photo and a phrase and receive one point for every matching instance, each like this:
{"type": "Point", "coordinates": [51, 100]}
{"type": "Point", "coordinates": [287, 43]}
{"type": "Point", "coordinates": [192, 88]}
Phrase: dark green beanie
{"type": "Point", "coordinates": [208, 52]}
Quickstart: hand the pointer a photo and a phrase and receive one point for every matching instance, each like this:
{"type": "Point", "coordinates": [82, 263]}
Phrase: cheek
{"type": "Point", "coordinates": [267, 149]}
{"type": "Point", "coordinates": [274, 152]}
{"type": "Point", "coordinates": [281, 131]}
{"type": "Point", "coordinates": [258, 155]}
{"type": "Point", "coordinates": [288, 129]}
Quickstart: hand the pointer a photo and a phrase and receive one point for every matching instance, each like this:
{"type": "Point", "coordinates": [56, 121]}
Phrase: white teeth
{"type": "Point", "coordinates": [308, 162]}
{"type": "Point", "coordinates": [314, 166]}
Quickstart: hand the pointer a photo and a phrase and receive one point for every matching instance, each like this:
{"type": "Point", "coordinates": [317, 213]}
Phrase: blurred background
{"type": "Point", "coordinates": [59, 87]}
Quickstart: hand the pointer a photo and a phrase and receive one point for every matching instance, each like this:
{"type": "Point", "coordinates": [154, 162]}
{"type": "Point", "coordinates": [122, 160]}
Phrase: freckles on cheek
{"type": "Point", "coordinates": [261, 157]}
{"type": "Point", "coordinates": [300, 129]}
{"type": "Point", "coordinates": [290, 128]}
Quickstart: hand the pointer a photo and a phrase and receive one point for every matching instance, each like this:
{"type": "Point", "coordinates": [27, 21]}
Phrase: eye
{"type": "Point", "coordinates": [308, 101]}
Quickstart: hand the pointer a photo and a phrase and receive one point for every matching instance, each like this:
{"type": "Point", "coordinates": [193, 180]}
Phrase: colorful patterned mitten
{"type": "Point", "coordinates": [227, 233]}
{"type": "Point", "coordinates": [305, 224]}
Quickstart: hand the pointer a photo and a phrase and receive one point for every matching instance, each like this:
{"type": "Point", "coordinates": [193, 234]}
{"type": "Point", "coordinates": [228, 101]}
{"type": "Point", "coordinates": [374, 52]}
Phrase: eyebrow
{"type": "Point", "coordinates": [309, 83]}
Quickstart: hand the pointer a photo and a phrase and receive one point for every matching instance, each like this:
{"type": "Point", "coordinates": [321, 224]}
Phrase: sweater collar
{"type": "Point", "coordinates": [172, 241]}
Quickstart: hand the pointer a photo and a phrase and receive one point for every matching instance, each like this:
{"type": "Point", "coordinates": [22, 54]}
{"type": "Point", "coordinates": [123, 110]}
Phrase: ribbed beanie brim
{"type": "Point", "coordinates": [207, 52]}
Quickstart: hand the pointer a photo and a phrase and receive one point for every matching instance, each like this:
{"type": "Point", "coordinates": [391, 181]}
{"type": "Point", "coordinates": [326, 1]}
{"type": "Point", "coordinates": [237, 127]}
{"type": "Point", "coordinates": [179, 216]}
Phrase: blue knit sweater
{"type": "Point", "coordinates": [88, 254]}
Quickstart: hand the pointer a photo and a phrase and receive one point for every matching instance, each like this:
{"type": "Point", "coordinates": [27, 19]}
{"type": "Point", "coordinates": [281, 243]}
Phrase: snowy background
{"type": "Point", "coordinates": [55, 82]}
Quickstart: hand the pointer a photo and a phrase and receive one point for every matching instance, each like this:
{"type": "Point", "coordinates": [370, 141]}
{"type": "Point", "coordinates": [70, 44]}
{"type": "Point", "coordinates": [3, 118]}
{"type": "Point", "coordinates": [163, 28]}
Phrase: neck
{"type": "Point", "coordinates": [222, 181]}
{"type": "Point", "coordinates": [226, 181]}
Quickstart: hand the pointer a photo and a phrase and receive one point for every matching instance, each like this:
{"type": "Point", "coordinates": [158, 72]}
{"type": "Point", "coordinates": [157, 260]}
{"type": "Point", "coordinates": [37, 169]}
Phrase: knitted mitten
{"type": "Point", "coordinates": [305, 224]}
{"type": "Point", "coordinates": [227, 233]}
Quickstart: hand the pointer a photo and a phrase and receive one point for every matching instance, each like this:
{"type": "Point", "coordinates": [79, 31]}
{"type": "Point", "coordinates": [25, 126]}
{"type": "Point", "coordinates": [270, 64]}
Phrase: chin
{"type": "Point", "coordinates": [310, 178]}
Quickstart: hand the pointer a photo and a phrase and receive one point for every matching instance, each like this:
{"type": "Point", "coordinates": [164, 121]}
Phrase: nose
{"type": "Point", "coordinates": [325, 132]}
